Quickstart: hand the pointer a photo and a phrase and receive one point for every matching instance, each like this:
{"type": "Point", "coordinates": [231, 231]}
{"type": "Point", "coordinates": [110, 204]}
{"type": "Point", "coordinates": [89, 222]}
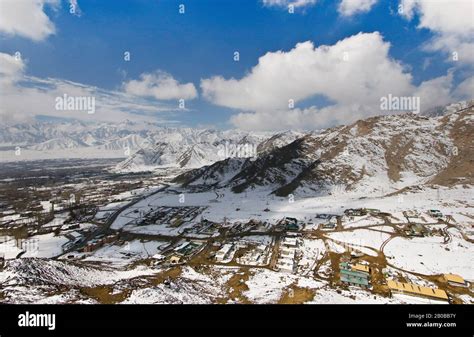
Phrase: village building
{"type": "Point", "coordinates": [95, 244]}
{"type": "Point", "coordinates": [416, 229]}
{"type": "Point", "coordinates": [361, 267]}
{"type": "Point", "coordinates": [224, 253]}
{"type": "Point", "coordinates": [290, 242]}
{"type": "Point", "coordinates": [435, 213]}
{"type": "Point", "coordinates": [187, 248]}
{"type": "Point", "coordinates": [355, 212]}
{"type": "Point", "coordinates": [373, 211]}
{"type": "Point", "coordinates": [158, 257]}
{"type": "Point", "coordinates": [454, 280]}
{"type": "Point", "coordinates": [288, 252]}
{"type": "Point", "coordinates": [353, 277]}
{"type": "Point", "coordinates": [286, 264]}
{"type": "Point", "coordinates": [328, 225]}
{"type": "Point", "coordinates": [415, 290]}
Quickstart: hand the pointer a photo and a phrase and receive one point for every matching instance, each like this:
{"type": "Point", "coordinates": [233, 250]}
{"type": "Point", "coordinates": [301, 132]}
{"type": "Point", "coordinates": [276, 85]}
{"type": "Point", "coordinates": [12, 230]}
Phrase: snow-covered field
{"type": "Point", "coordinates": [428, 255]}
{"type": "Point", "coordinates": [360, 239]}
{"type": "Point", "coordinates": [127, 253]}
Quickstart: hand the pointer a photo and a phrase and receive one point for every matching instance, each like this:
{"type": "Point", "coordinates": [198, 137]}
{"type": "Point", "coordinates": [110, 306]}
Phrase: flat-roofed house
{"type": "Point", "coordinates": [416, 290]}
{"type": "Point", "coordinates": [454, 280]}
{"type": "Point", "coordinates": [290, 242]}
{"type": "Point", "coordinates": [224, 253]}
{"type": "Point", "coordinates": [361, 267]}
{"type": "Point", "coordinates": [353, 277]}
{"type": "Point", "coordinates": [286, 264]}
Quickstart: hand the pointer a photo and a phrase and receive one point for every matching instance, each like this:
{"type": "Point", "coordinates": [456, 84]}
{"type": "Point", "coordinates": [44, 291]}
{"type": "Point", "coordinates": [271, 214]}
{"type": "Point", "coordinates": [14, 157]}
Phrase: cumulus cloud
{"type": "Point", "coordinates": [11, 68]}
{"type": "Point", "coordinates": [353, 74]}
{"type": "Point", "coordinates": [451, 22]}
{"type": "Point", "coordinates": [27, 18]}
{"type": "Point", "coordinates": [23, 97]}
{"type": "Point", "coordinates": [286, 3]}
{"type": "Point", "coordinates": [465, 89]}
{"type": "Point", "coordinates": [352, 7]}
{"type": "Point", "coordinates": [435, 92]}
{"type": "Point", "coordinates": [356, 69]}
{"type": "Point", "coordinates": [160, 85]}
{"type": "Point", "coordinates": [300, 119]}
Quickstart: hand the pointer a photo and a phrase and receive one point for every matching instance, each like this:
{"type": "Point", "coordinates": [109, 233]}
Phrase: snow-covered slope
{"type": "Point", "coordinates": [193, 148]}
{"type": "Point", "coordinates": [444, 110]}
{"type": "Point", "coordinates": [384, 154]}
{"type": "Point", "coordinates": [143, 145]}
{"type": "Point", "coordinates": [58, 144]}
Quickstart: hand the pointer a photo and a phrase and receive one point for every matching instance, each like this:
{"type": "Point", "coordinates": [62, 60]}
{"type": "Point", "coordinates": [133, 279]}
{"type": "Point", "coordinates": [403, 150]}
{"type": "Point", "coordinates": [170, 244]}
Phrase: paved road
{"type": "Point", "coordinates": [106, 226]}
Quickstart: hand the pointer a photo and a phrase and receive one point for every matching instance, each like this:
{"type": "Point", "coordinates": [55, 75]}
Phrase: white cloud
{"type": "Point", "coordinates": [451, 21]}
{"type": "Point", "coordinates": [24, 97]}
{"type": "Point", "coordinates": [306, 71]}
{"type": "Point", "coordinates": [432, 93]}
{"type": "Point", "coordinates": [435, 92]}
{"type": "Point", "coordinates": [299, 119]}
{"type": "Point", "coordinates": [352, 7]}
{"type": "Point", "coordinates": [353, 74]}
{"type": "Point", "coordinates": [160, 85]}
{"type": "Point", "coordinates": [26, 18]}
{"type": "Point", "coordinates": [465, 89]}
{"type": "Point", "coordinates": [286, 3]}
{"type": "Point", "coordinates": [10, 69]}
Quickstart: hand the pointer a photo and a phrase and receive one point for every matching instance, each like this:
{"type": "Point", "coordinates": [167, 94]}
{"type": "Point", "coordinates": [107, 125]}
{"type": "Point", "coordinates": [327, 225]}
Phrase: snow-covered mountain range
{"type": "Point", "coordinates": [144, 146]}
{"type": "Point", "coordinates": [384, 154]}
{"type": "Point", "coordinates": [386, 151]}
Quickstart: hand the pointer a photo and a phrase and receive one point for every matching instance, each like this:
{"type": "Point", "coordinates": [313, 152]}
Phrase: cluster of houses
{"type": "Point", "coordinates": [11, 219]}
{"type": "Point", "coordinates": [99, 242]}
{"type": "Point", "coordinates": [288, 251]}
{"type": "Point", "coordinates": [167, 215]}
{"type": "Point", "coordinates": [203, 228]}
{"type": "Point", "coordinates": [224, 254]}
{"type": "Point", "coordinates": [330, 221]}
{"type": "Point", "coordinates": [361, 211]}
{"type": "Point", "coordinates": [413, 216]}
{"type": "Point", "coordinates": [416, 229]}
{"type": "Point", "coordinates": [183, 251]}
{"type": "Point", "coordinates": [251, 225]}
{"type": "Point", "coordinates": [358, 274]}
{"type": "Point", "coordinates": [255, 255]}
{"type": "Point", "coordinates": [74, 238]}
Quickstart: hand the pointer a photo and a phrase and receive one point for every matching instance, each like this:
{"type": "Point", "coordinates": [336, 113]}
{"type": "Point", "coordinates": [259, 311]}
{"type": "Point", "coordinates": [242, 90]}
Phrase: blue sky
{"type": "Point", "coordinates": [200, 44]}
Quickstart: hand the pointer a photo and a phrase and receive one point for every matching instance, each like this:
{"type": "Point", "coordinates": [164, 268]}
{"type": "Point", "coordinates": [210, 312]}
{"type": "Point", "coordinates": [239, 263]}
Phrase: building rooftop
{"type": "Point", "coordinates": [290, 241]}
{"type": "Point", "coordinates": [354, 274]}
{"type": "Point", "coordinates": [453, 278]}
{"type": "Point", "coordinates": [356, 280]}
{"type": "Point", "coordinates": [417, 290]}
{"type": "Point", "coordinates": [361, 267]}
